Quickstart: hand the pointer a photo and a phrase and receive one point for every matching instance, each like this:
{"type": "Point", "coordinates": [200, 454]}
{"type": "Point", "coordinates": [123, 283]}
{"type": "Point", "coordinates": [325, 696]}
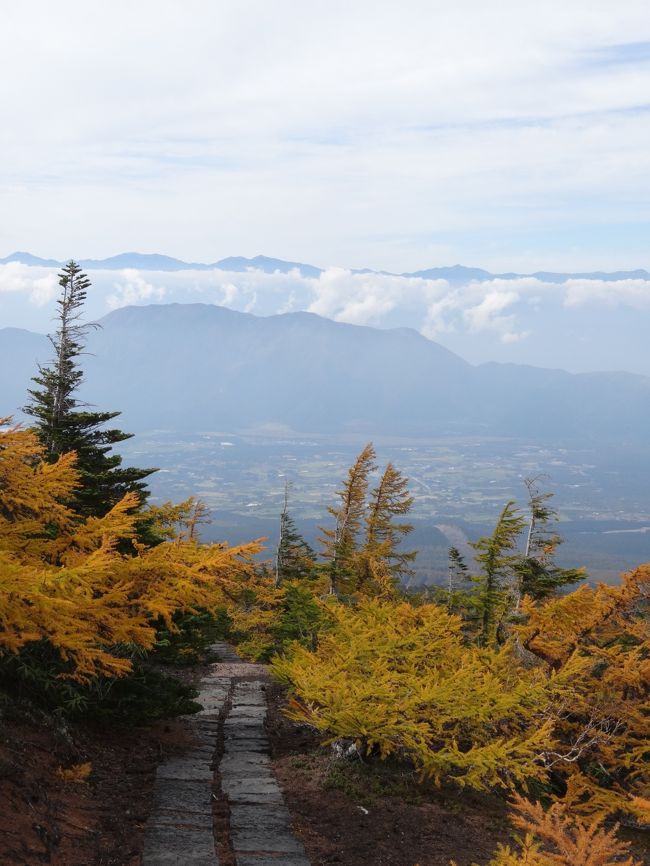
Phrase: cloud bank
{"type": "Point", "coordinates": [526, 320]}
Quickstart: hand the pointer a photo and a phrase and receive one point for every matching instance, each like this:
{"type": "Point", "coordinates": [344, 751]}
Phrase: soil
{"type": "Point", "coordinates": [94, 822]}
{"type": "Point", "coordinates": [100, 821]}
{"type": "Point", "coordinates": [354, 814]}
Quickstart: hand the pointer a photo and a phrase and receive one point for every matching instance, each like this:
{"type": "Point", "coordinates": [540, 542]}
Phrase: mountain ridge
{"type": "Point", "coordinates": [192, 367]}
{"type": "Point", "coordinates": [455, 274]}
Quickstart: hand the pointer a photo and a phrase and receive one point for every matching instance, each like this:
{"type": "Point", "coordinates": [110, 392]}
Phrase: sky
{"type": "Point", "coordinates": [505, 135]}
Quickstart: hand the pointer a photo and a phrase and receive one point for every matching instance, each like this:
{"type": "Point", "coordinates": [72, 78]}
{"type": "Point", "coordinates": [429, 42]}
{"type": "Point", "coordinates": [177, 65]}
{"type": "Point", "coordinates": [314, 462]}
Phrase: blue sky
{"type": "Point", "coordinates": [509, 135]}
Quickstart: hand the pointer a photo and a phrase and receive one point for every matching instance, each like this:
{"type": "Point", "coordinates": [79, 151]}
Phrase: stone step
{"type": "Point", "coordinates": [168, 846]}
{"type": "Point", "coordinates": [246, 859]}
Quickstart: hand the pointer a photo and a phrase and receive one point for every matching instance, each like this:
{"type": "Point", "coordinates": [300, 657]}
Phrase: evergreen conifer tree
{"type": "Point", "coordinates": [65, 424]}
{"type": "Point", "coordinates": [539, 574]}
{"type": "Point", "coordinates": [294, 558]}
{"type": "Point", "coordinates": [497, 586]}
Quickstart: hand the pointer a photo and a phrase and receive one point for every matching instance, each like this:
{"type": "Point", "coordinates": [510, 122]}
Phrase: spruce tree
{"type": "Point", "coordinates": [294, 558]}
{"type": "Point", "coordinates": [64, 424]}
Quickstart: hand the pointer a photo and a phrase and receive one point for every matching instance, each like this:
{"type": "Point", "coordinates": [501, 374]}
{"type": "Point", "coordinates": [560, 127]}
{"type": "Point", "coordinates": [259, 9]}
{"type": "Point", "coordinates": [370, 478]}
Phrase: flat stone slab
{"type": "Point", "coordinates": [254, 733]}
{"type": "Point", "coordinates": [246, 726]}
{"type": "Point", "coordinates": [264, 799]}
{"type": "Point", "coordinates": [246, 771]}
{"type": "Point", "coordinates": [202, 752]}
{"type": "Point", "coordinates": [210, 708]}
{"type": "Point", "coordinates": [252, 785]}
{"type": "Point", "coordinates": [179, 831]}
{"type": "Point", "coordinates": [180, 819]}
{"type": "Point", "coordinates": [244, 761]}
{"type": "Point", "coordinates": [209, 726]}
{"type": "Point", "coordinates": [259, 745]}
{"type": "Point", "coordinates": [256, 840]}
{"type": "Point", "coordinates": [245, 859]}
{"type": "Point", "coordinates": [167, 846]}
{"type": "Point", "coordinates": [248, 711]}
{"type": "Point", "coordinates": [244, 816]}
{"type": "Point", "coordinates": [238, 669]}
{"type": "Point", "coordinates": [185, 768]}
{"type": "Point", "coordinates": [175, 794]}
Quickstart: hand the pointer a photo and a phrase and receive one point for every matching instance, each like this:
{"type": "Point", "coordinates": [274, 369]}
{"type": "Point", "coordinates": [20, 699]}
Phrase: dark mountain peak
{"type": "Point", "coordinates": [200, 317]}
{"type": "Point", "coordinates": [180, 315]}
{"type": "Point", "coordinates": [203, 367]}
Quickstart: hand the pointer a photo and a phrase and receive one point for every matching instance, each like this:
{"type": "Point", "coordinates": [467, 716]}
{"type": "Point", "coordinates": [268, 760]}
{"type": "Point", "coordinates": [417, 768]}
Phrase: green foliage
{"type": "Point", "coordinates": [300, 618]}
{"type": "Point", "coordinates": [63, 426]}
{"type": "Point", "coordinates": [38, 675]}
{"type": "Point", "coordinates": [295, 559]}
{"type": "Point", "coordinates": [496, 585]}
{"type": "Point", "coordinates": [489, 598]}
{"type": "Point", "coordinates": [538, 574]}
{"type": "Point", "coordinates": [143, 696]}
{"type": "Point", "coordinates": [187, 640]}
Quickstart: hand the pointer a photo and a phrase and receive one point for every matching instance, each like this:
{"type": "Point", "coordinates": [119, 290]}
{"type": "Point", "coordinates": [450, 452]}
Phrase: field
{"type": "Point", "coordinates": [459, 486]}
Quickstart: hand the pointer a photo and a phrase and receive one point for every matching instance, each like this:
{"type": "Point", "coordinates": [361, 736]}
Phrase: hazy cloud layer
{"type": "Point", "coordinates": [579, 324]}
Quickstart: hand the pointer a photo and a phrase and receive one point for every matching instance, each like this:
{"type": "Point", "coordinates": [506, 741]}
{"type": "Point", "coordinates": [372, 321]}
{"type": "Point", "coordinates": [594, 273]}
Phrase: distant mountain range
{"type": "Point", "coordinates": [200, 367]}
{"type": "Point", "coordinates": [455, 275]}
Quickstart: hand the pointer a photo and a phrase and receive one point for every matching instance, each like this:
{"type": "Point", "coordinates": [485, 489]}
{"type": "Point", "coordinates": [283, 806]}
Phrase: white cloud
{"type": "Point", "coordinates": [38, 284]}
{"type": "Point", "coordinates": [629, 293]}
{"type": "Point", "coordinates": [509, 337]}
{"type": "Point", "coordinates": [488, 315]}
{"type": "Point", "coordinates": [230, 294]}
{"type": "Point", "coordinates": [523, 320]}
{"type": "Point", "coordinates": [134, 289]}
{"type": "Point", "coordinates": [366, 299]}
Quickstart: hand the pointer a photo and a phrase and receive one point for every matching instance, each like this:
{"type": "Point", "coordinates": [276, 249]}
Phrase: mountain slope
{"type": "Point", "coordinates": [198, 367]}
{"type": "Point", "coordinates": [20, 351]}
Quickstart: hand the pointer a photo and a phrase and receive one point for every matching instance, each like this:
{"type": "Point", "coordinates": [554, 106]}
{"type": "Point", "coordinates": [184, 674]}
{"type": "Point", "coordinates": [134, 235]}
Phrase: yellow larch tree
{"type": "Point", "coordinates": [603, 727]}
{"type": "Point", "coordinates": [66, 582]}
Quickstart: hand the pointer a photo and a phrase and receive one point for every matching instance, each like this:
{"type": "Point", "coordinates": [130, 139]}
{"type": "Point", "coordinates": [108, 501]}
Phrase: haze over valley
{"type": "Point", "coordinates": [230, 405]}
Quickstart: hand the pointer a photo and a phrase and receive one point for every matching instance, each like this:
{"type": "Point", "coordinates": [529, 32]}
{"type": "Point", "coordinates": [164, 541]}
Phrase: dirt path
{"type": "Point", "coordinates": [218, 802]}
